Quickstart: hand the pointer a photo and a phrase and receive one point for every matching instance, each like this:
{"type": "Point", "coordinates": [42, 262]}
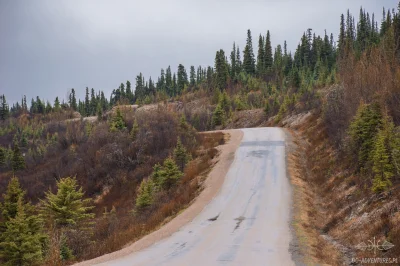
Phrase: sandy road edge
{"type": "Point", "coordinates": [212, 186]}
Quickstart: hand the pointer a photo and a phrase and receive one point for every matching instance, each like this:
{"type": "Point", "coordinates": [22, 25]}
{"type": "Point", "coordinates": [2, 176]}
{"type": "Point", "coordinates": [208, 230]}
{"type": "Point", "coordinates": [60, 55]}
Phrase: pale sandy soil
{"type": "Point", "coordinates": [212, 186]}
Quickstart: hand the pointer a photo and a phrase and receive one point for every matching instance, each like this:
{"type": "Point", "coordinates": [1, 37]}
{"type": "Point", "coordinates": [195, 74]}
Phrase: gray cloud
{"type": "Point", "coordinates": [48, 47]}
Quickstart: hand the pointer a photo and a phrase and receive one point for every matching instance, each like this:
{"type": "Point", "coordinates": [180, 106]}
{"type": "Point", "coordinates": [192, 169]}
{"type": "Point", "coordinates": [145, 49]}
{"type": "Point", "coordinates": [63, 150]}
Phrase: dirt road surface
{"type": "Point", "coordinates": [246, 223]}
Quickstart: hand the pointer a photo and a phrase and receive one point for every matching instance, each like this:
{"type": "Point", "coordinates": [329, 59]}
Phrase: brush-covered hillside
{"type": "Point", "coordinates": [84, 177]}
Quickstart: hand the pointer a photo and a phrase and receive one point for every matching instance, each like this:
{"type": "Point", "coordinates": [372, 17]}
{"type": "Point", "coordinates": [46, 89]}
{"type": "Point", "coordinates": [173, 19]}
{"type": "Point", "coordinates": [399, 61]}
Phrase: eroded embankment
{"type": "Point", "coordinates": [332, 214]}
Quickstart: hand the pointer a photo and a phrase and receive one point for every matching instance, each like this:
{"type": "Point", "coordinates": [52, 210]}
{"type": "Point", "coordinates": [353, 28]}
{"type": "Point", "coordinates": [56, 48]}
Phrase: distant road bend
{"type": "Point", "coordinates": [247, 223]}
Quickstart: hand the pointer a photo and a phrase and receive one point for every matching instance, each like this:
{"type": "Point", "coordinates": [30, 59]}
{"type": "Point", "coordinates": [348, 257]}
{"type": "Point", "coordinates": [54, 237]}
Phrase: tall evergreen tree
{"type": "Point", "coordinates": [93, 102]}
{"type": "Point", "coordinates": [181, 156]}
{"type": "Point", "coordinates": [233, 62]}
{"type": "Point", "coordinates": [238, 62]}
{"type": "Point", "coordinates": [68, 207]}
{"type": "Point", "coordinates": [261, 56]}
{"type": "Point", "coordinates": [20, 244]}
{"type": "Point", "coordinates": [248, 56]}
{"type": "Point", "coordinates": [221, 70]}
{"type": "Point", "coordinates": [17, 160]}
{"type": "Point", "coordinates": [192, 76]}
{"type": "Point", "coordinates": [139, 90]}
{"type": "Point", "coordinates": [2, 157]}
{"type": "Point", "coordinates": [73, 103]}
{"type": "Point", "coordinates": [87, 102]}
{"type": "Point", "coordinates": [4, 109]}
{"type": "Point", "coordinates": [182, 78]}
{"type": "Point", "coordinates": [268, 61]}
{"type": "Point", "coordinates": [168, 81]}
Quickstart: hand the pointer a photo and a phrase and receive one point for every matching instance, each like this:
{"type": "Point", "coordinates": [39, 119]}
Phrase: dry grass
{"type": "Point", "coordinates": [118, 231]}
{"type": "Point", "coordinates": [334, 209]}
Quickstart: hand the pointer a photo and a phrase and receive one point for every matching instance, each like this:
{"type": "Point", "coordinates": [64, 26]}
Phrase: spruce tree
{"type": "Point", "coordinates": [2, 157]}
{"type": "Point", "coordinates": [87, 102]}
{"type": "Point", "coordinates": [129, 93]}
{"type": "Point", "coordinates": [218, 116]}
{"type": "Point", "coordinates": [135, 130]}
{"type": "Point", "coordinates": [93, 102]}
{"type": "Point", "coordinates": [117, 122]}
{"type": "Point", "coordinates": [182, 78]}
{"type": "Point", "coordinates": [20, 245]}
{"type": "Point", "coordinates": [4, 109]}
{"type": "Point", "coordinates": [248, 56]}
{"type": "Point", "coordinates": [238, 62]}
{"type": "Point", "coordinates": [192, 76]}
{"type": "Point", "coordinates": [17, 160]}
{"type": "Point", "coordinates": [169, 174]}
{"type": "Point", "coordinates": [13, 194]}
{"type": "Point", "coordinates": [382, 168]}
{"type": "Point", "coordinates": [68, 207]}
{"type": "Point", "coordinates": [145, 194]}
{"type": "Point", "coordinates": [168, 81]}
{"type": "Point", "coordinates": [261, 57]}
{"type": "Point", "coordinates": [180, 155]}
{"type": "Point", "coordinates": [73, 103]}
{"type": "Point", "coordinates": [139, 90]}
{"type": "Point", "coordinates": [233, 62]}
{"type": "Point", "coordinates": [57, 106]}
{"type": "Point", "coordinates": [221, 70]}
{"type": "Point", "coordinates": [156, 176]}
{"type": "Point", "coordinates": [268, 61]}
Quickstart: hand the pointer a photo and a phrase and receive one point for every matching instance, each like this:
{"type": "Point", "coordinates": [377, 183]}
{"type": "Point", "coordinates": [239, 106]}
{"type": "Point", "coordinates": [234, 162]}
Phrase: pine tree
{"type": "Point", "coordinates": [180, 155]}
{"type": "Point", "coordinates": [169, 174]}
{"type": "Point", "coordinates": [248, 56]}
{"type": "Point", "coordinates": [68, 207]}
{"type": "Point", "coordinates": [268, 61]}
{"type": "Point", "coordinates": [17, 160]}
{"type": "Point", "coordinates": [261, 57]}
{"type": "Point", "coordinates": [20, 245]}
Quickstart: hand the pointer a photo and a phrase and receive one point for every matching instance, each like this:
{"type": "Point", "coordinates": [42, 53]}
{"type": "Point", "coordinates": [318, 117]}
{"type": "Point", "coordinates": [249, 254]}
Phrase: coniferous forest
{"type": "Point", "coordinates": [75, 188]}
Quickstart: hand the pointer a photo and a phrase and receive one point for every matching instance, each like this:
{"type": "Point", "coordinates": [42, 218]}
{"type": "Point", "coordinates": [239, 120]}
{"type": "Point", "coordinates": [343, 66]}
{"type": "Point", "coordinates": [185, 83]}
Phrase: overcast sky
{"type": "Point", "coordinates": [48, 47]}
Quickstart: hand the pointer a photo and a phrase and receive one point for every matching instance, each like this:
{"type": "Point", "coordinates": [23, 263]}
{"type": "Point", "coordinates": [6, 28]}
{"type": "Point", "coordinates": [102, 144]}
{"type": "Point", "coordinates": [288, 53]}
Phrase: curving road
{"type": "Point", "coordinates": [247, 223]}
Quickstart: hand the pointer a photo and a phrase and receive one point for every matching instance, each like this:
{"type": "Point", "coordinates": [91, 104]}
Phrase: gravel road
{"type": "Point", "coordinates": [246, 223]}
